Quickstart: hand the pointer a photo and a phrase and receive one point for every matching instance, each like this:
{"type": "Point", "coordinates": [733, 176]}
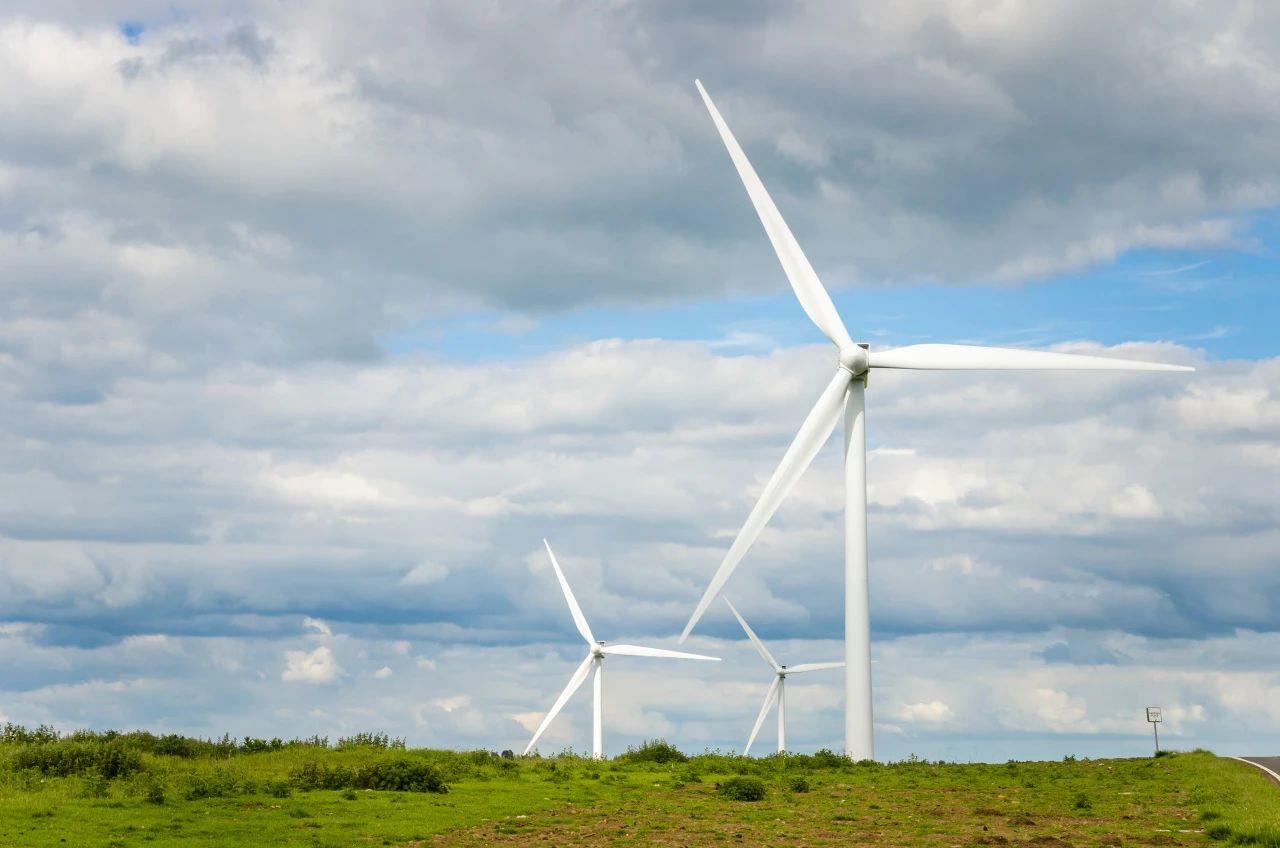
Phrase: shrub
{"type": "Point", "coordinates": [153, 790]}
{"type": "Point", "coordinates": [742, 788]}
{"type": "Point", "coordinates": [799, 784]}
{"type": "Point", "coordinates": [94, 786]}
{"type": "Point", "coordinates": [381, 741]}
{"type": "Point", "coordinates": [402, 775]}
{"type": "Point", "coordinates": [279, 788]}
{"type": "Point", "coordinates": [654, 751]}
{"type": "Point", "coordinates": [313, 775]}
{"type": "Point", "coordinates": [70, 756]}
{"type": "Point", "coordinates": [399, 775]}
{"type": "Point", "coordinates": [1082, 802]}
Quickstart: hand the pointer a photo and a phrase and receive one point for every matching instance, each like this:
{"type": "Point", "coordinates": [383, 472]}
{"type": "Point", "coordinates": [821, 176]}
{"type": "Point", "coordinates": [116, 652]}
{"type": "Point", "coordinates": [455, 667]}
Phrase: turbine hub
{"type": "Point", "coordinates": [854, 359]}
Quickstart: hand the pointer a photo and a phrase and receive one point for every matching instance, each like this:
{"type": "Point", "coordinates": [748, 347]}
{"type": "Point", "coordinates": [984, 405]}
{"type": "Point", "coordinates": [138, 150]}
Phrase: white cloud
{"type": "Point", "coordinates": [932, 712]}
{"type": "Point", "coordinates": [317, 666]}
{"type": "Point", "coordinates": [452, 703]}
{"type": "Point", "coordinates": [383, 673]}
{"type": "Point", "coordinates": [321, 628]}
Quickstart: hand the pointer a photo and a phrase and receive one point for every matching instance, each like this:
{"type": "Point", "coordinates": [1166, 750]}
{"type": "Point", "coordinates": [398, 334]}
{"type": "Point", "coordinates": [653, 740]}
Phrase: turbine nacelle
{"type": "Point", "coordinates": [855, 359]}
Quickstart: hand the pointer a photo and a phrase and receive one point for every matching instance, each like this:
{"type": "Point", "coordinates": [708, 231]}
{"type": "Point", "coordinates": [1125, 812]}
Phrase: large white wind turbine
{"type": "Point", "coordinates": [778, 689]}
{"type": "Point", "coordinates": [846, 392]}
{"type": "Point", "coordinates": [596, 652]}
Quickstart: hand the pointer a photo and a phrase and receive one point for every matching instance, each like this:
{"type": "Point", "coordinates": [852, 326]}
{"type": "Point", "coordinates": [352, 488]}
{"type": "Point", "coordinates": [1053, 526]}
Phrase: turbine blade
{"type": "Point", "coordinates": [949, 357]}
{"type": "Point", "coordinates": [574, 682]}
{"type": "Point", "coordinates": [808, 288]}
{"type": "Point", "coordinates": [755, 640]}
{"type": "Point", "coordinates": [641, 651]}
{"type": "Point", "coordinates": [578, 618]}
{"type": "Point", "coordinates": [813, 434]}
{"type": "Point", "coordinates": [797, 669]}
{"type": "Point", "coordinates": [769, 698]}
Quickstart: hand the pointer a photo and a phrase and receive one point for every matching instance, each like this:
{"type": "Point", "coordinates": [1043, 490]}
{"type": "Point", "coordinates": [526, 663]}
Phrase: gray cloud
{"type": "Point", "coordinates": [293, 183]}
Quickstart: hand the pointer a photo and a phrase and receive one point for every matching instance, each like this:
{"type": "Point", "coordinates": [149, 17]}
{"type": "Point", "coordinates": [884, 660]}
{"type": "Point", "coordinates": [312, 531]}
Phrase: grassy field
{"type": "Point", "coordinates": [138, 789]}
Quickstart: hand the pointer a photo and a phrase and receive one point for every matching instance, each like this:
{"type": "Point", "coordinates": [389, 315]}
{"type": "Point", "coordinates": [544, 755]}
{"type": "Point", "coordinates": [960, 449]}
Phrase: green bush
{"type": "Point", "coordinates": [1082, 802]}
{"type": "Point", "coordinates": [654, 751]}
{"type": "Point", "coordinates": [215, 783]}
{"type": "Point", "coordinates": [64, 757]}
{"type": "Point", "coordinates": [742, 788]}
{"type": "Point", "coordinates": [799, 784]}
{"type": "Point", "coordinates": [314, 775]}
{"type": "Point", "coordinates": [402, 775]}
{"type": "Point", "coordinates": [153, 790]}
{"type": "Point", "coordinates": [94, 785]}
{"type": "Point", "coordinates": [398, 775]}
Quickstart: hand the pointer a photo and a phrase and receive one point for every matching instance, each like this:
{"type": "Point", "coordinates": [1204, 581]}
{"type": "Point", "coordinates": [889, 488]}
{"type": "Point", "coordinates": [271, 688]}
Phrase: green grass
{"type": "Point", "coordinates": [229, 794]}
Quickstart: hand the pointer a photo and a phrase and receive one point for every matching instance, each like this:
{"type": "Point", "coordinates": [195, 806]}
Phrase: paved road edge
{"type": "Point", "coordinates": [1260, 767]}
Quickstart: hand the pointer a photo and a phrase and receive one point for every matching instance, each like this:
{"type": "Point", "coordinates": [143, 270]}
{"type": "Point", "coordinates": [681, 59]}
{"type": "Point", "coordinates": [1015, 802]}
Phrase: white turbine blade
{"type": "Point", "coordinates": [769, 698]}
{"type": "Point", "coordinates": [755, 640]}
{"type": "Point", "coordinates": [578, 618]}
{"type": "Point", "coordinates": [949, 357]}
{"type": "Point", "coordinates": [808, 288]}
{"type": "Point", "coordinates": [641, 651]}
{"type": "Point", "coordinates": [574, 682]}
{"type": "Point", "coordinates": [797, 669]}
{"type": "Point", "coordinates": [813, 434]}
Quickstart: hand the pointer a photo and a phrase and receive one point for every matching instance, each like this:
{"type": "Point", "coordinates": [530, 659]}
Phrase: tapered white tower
{"type": "Point", "coordinates": [845, 395]}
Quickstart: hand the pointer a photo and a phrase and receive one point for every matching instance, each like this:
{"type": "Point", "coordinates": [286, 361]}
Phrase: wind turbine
{"type": "Point", "coordinates": [778, 689]}
{"type": "Point", "coordinates": [596, 651]}
{"type": "Point", "coordinates": [846, 392]}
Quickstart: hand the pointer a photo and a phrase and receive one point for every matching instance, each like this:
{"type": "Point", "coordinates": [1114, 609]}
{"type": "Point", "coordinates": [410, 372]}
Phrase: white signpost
{"type": "Point", "coordinates": [1153, 716]}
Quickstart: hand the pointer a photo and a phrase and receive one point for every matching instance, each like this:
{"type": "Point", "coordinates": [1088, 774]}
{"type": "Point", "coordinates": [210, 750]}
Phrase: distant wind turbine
{"type": "Point", "coordinates": [778, 689]}
{"type": "Point", "coordinates": [596, 652]}
{"type": "Point", "coordinates": [846, 392]}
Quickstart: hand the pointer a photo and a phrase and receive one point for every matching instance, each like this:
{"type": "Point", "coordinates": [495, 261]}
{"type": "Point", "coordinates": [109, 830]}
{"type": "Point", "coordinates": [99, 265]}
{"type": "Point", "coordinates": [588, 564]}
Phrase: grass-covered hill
{"type": "Point", "coordinates": [124, 789]}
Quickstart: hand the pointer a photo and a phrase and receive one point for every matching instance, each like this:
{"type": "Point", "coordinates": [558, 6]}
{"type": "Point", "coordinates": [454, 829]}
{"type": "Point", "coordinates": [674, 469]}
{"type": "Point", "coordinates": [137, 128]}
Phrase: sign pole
{"type": "Point", "coordinates": [1153, 716]}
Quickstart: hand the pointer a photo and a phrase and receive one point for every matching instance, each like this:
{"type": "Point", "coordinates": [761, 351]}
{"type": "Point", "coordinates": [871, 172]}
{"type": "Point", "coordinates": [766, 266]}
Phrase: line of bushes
{"type": "Point", "coordinates": [187, 747]}
{"type": "Point", "coordinates": [398, 775]}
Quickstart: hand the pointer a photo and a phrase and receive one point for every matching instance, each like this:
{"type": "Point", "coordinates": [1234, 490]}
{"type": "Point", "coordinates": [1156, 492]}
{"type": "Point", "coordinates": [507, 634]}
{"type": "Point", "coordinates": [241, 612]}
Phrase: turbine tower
{"type": "Point", "coordinates": [845, 394]}
{"type": "Point", "coordinates": [596, 652]}
{"type": "Point", "coordinates": [778, 689]}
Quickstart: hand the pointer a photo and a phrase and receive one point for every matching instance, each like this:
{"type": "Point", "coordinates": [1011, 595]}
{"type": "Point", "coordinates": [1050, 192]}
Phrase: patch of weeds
{"type": "Point", "coordinates": [94, 786]}
{"type": "Point", "coordinates": [1210, 815]}
{"type": "Point", "coordinates": [279, 788]}
{"type": "Point", "coordinates": [1082, 802]}
{"type": "Point", "coordinates": [298, 813]}
{"type": "Point", "coordinates": [349, 795]}
{"type": "Point", "coordinates": [742, 788]}
{"type": "Point", "coordinates": [799, 784]}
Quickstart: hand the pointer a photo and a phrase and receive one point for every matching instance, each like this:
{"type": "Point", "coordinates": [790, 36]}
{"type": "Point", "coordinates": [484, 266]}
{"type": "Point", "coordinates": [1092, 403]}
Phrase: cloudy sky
{"type": "Point", "coordinates": [317, 317]}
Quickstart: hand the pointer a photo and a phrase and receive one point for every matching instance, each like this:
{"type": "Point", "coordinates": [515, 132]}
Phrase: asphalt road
{"type": "Point", "coordinates": [1270, 763]}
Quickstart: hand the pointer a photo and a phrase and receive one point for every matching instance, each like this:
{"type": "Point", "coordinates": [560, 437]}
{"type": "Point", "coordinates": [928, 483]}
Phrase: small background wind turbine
{"type": "Point", "coordinates": [846, 394]}
{"type": "Point", "coordinates": [596, 652]}
{"type": "Point", "coordinates": [778, 689]}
